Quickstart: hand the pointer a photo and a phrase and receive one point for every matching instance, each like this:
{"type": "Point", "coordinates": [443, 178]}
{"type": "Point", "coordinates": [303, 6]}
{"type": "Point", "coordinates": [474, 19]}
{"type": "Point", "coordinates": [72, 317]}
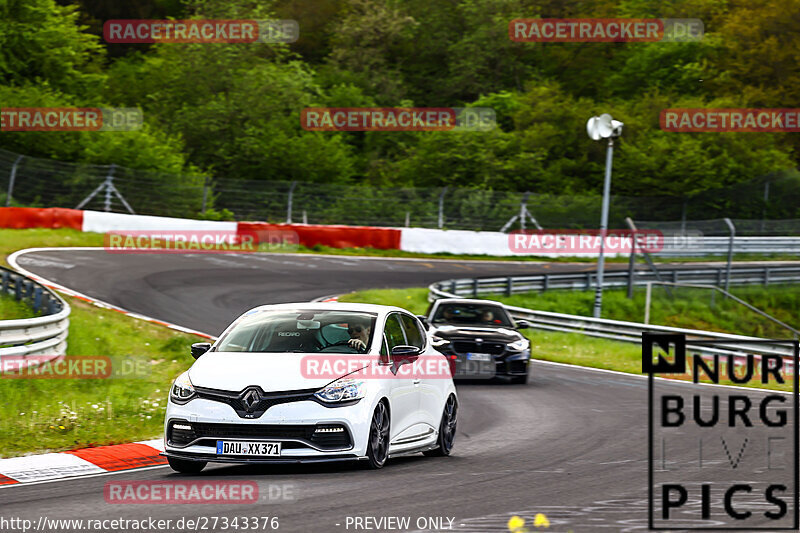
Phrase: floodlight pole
{"type": "Point", "coordinates": [598, 295]}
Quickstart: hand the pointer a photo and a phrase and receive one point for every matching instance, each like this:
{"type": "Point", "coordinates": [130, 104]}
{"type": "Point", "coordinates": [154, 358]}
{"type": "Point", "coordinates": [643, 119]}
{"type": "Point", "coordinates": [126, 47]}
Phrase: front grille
{"type": "Point", "coordinates": [305, 433]}
{"type": "Point", "coordinates": [268, 399]}
{"type": "Point", "coordinates": [494, 348]}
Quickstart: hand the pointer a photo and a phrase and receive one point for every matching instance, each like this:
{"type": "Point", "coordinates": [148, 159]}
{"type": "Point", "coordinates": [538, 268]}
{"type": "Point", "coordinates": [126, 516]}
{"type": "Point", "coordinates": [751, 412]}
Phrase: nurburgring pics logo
{"type": "Point", "coordinates": [605, 30]}
{"type": "Point", "coordinates": [733, 119]}
{"type": "Point", "coordinates": [722, 458]}
{"type": "Point", "coordinates": [70, 118]}
{"type": "Point", "coordinates": [139, 31]}
{"type": "Point", "coordinates": [398, 119]}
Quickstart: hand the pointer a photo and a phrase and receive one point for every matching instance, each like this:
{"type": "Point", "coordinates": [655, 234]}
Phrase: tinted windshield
{"type": "Point", "coordinates": [472, 315]}
{"type": "Point", "coordinates": [300, 331]}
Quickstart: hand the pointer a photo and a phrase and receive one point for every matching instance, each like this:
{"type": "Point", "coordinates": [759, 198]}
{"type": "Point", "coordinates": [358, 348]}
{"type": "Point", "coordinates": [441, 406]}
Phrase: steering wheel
{"type": "Point", "coordinates": [341, 343]}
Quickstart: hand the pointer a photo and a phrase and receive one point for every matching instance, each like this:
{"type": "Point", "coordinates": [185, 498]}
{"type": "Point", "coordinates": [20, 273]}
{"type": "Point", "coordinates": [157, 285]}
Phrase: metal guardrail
{"type": "Point", "coordinates": [508, 285]}
{"type": "Point", "coordinates": [711, 245]}
{"type": "Point", "coordinates": [41, 335]}
{"type": "Point", "coordinates": [610, 329]}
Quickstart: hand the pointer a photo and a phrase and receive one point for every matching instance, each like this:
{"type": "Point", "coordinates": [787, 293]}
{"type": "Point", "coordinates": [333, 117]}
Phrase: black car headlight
{"type": "Point", "coordinates": [518, 346]}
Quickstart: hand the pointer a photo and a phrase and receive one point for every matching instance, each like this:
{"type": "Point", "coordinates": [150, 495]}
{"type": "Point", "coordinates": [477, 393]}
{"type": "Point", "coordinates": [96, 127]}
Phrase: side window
{"type": "Point", "coordinates": [393, 332]}
{"type": "Point", "coordinates": [413, 334]}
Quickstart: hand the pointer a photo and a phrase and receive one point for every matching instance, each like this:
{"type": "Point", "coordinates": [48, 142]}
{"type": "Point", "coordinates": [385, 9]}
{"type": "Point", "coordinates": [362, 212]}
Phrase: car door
{"type": "Point", "coordinates": [434, 372]}
{"type": "Point", "coordinates": [403, 394]}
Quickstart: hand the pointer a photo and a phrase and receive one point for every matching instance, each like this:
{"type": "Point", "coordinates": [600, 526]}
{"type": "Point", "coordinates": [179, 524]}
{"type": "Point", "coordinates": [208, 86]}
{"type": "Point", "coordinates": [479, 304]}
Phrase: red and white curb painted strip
{"type": "Point", "coordinates": [86, 461]}
{"type": "Point", "coordinates": [12, 260]}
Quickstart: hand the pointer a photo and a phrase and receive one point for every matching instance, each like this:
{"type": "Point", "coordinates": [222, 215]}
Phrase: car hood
{"type": "Point", "coordinates": [233, 371]}
{"type": "Point", "coordinates": [471, 333]}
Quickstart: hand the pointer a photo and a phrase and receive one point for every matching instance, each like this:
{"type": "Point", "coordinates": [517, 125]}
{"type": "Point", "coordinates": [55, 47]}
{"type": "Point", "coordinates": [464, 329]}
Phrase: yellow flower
{"type": "Point", "coordinates": [61, 427]}
{"type": "Point", "coordinates": [541, 520]}
{"type": "Point", "coordinates": [516, 523]}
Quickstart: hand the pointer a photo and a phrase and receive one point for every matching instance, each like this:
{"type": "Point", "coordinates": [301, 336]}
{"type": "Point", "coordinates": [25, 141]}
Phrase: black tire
{"type": "Point", "coordinates": [184, 466]}
{"type": "Point", "coordinates": [378, 445]}
{"type": "Point", "coordinates": [520, 380]}
{"type": "Point", "coordinates": [447, 430]}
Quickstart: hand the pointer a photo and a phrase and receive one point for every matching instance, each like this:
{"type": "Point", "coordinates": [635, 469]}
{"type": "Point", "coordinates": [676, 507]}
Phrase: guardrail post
{"type": "Point", "coordinates": [674, 276]}
{"type": "Point", "coordinates": [546, 283]}
{"type": "Point", "coordinates": [17, 289]}
{"type": "Point", "coordinates": [509, 285]}
{"type": "Point", "coordinates": [5, 281]}
{"type": "Point", "coordinates": [766, 276]}
{"type": "Point", "coordinates": [289, 202]}
{"type": "Point", "coordinates": [588, 281]}
{"type": "Point", "coordinates": [453, 287]}
{"type": "Point", "coordinates": [11, 180]}
{"type": "Point", "coordinates": [37, 298]}
{"type": "Point", "coordinates": [730, 252]}
{"type": "Point", "coordinates": [441, 207]}
{"type": "Point", "coordinates": [475, 287]}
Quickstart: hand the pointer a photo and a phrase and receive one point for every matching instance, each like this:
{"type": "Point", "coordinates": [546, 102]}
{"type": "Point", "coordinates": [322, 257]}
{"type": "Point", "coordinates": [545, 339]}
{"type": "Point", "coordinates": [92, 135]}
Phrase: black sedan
{"type": "Point", "coordinates": [480, 337]}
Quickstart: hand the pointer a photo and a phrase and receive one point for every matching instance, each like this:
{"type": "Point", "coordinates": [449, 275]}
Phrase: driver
{"type": "Point", "coordinates": [487, 316]}
{"type": "Point", "coordinates": [359, 335]}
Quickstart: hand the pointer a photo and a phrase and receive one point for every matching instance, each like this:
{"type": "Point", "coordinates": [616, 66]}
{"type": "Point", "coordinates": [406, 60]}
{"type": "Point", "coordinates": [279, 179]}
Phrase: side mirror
{"type": "Point", "coordinates": [199, 348]}
{"type": "Point", "coordinates": [403, 354]}
{"type": "Point", "coordinates": [424, 320]}
{"type": "Point", "coordinates": [523, 324]}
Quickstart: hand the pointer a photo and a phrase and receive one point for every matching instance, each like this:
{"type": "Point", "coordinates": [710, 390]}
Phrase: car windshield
{"type": "Point", "coordinates": [472, 315]}
{"type": "Point", "coordinates": [300, 331]}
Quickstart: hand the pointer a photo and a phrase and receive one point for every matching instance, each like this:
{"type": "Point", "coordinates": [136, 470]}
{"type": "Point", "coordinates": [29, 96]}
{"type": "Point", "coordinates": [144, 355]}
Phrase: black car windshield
{"type": "Point", "coordinates": [300, 331]}
{"type": "Point", "coordinates": [472, 315]}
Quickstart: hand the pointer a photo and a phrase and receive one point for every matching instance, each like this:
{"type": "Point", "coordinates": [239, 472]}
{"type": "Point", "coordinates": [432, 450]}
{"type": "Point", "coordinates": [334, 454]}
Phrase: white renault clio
{"type": "Point", "coordinates": [312, 382]}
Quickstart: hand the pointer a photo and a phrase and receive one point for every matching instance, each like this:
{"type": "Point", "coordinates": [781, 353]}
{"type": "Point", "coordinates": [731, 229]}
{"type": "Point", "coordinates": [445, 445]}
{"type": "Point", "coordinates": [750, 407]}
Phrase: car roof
{"type": "Point", "coordinates": [469, 301]}
{"type": "Point", "coordinates": [333, 306]}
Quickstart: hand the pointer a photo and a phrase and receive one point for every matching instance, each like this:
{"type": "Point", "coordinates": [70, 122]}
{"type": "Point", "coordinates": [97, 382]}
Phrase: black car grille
{"type": "Point", "coordinates": [267, 399]}
{"type": "Point", "coordinates": [327, 440]}
{"type": "Point", "coordinates": [494, 348]}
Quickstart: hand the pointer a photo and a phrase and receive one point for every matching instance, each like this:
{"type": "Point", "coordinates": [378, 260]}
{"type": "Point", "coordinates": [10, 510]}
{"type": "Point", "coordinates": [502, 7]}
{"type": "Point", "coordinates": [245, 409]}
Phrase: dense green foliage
{"type": "Point", "coordinates": [232, 111]}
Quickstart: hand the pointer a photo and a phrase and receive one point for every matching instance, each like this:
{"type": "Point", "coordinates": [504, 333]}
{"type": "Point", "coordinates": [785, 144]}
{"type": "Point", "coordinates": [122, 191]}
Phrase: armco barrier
{"type": "Point", "coordinates": [31, 217]}
{"type": "Point", "coordinates": [42, 335]}
{"type": "Point", "coordinates": [333, 236]}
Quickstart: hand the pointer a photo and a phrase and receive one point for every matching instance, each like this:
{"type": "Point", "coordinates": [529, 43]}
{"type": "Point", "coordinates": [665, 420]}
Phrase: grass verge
{"type": "Point", "coordinates": [38, 415]}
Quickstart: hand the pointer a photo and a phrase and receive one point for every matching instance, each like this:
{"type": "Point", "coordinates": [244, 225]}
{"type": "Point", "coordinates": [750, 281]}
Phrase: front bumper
{"type": "Point", "coordinates": [504, 365]}
{"type": "Point", "coordinates": [292, 424]}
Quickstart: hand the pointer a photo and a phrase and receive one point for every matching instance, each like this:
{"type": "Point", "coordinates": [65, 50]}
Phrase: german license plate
{"type": "Point", "coordinates": [241, 447]}
{"type": "Point", "coordinates": [479, 357]}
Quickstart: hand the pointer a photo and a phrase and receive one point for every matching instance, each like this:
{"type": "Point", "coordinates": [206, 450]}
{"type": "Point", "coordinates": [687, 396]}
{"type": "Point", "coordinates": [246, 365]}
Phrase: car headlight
{"type": "Point", "coordinates": [182, 389]}
{"type": "Point", "coordinates": [518, 346]}
{"type": "Point", "coordinates": [438, 342]}
{"type": "Point", "coordinates": [342, 390]}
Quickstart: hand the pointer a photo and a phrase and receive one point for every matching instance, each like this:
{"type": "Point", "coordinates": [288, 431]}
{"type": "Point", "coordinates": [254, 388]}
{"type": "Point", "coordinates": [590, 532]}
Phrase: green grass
{"type": "Point", "coordinates": [11, 309]}
{"type": "Point", "coordinates": [12, 240]}
{"type": "Point", "coordinates": [687, 308]}
{"type": "Point", "coordinates": [38, 415]}
{"type": "Point", "coordinates": [582, 350]}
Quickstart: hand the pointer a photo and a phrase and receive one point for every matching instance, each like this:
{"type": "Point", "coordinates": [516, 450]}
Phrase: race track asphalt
{"type": "Point", "coordinates": [572, 444]}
